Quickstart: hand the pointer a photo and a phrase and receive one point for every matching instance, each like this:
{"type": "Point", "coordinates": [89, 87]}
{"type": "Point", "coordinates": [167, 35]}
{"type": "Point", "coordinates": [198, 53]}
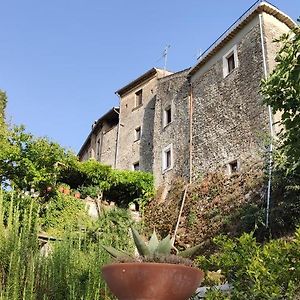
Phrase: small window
{"type": "Point", "coordinates": [136, 166]}
{"type": "Point", "coordinates": [98, 149]}
{"type": "Point", "coordinates": [138, 98]}
{"type": "Point", "coordinates": [167, 117]}
{"type": "Point", "coordinates": [137, 134]}
{"type": "Point", "coordinates": [167, 158]}
{"type": "Point", "coordinates": [233, 167]}
{"type": "Point", "coordinates": [230, 61]}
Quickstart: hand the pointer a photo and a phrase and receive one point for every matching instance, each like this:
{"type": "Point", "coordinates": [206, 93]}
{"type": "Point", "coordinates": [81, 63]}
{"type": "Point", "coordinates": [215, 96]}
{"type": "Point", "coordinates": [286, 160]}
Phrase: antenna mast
{"type": "Point", "coordinates": [165, 56]}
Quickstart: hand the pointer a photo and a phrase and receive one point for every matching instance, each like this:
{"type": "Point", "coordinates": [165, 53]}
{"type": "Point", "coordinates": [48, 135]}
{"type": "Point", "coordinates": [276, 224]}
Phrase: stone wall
{"type": "Point", "coordinates": [101, 144]}
{"type": "Point", "coordinates": [229, 121]}
{"type": "Point", "coordinates": [108, 149]}
{"type": "Point", "coordinates": [173, 92]}
{"type": "Point", "coordinates": [131, 150]}
{"type": "Point", "coordinates": [131, 117]}
{"type": "Point", "coordinates": [273, 29]}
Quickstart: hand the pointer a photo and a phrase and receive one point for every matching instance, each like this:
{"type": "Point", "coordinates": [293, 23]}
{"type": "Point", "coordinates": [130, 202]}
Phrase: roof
{"type": "Point", "coordinates": [112, 114]}
{"type": "Point", "coordinates": [255, 9]}
{"type": "Point", "coordinates": [139, 80]}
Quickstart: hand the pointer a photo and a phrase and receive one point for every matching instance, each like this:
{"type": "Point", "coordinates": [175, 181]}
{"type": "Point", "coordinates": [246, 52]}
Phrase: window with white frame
{"type": "Point", "coordinates": [230, 61]}
{"type": "Point", "coordinates": [137, 133]}
{"type": "Point", "coordinates": [167, 158]}
{"type": "Point", "coordinates": [167, 115]}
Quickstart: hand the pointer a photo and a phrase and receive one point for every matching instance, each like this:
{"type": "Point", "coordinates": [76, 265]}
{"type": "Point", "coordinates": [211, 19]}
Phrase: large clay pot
{"type": "Point", "coordinates": [152, 281]}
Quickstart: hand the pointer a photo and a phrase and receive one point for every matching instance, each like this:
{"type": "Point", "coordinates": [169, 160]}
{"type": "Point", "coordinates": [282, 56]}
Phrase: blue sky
{"type": "Point", "coordinates": [62, 60]}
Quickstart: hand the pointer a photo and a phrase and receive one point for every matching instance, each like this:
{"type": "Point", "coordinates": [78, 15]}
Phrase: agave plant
{"type": "Point", "coordinates": [153, 249]}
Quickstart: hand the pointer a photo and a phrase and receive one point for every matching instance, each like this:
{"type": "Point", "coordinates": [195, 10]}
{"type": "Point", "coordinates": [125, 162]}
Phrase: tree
{"type": "Point", "coordinates": [3, 101]}
{"type": "Point", "coordinates": [282, 92]}
{"type": "Point", "coordinates": [28, 162]}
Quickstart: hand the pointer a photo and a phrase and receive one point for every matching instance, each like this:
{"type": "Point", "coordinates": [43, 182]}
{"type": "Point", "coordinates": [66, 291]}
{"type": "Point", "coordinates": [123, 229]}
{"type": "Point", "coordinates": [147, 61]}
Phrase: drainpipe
{"type": "Point", "coordinates": [270, 124]}
{"type": "Point", "coordinates": [118, 135]}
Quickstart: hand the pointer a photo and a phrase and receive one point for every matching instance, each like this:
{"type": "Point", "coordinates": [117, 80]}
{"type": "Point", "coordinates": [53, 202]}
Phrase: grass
{"type": "Point", "coordinates": [72, 270]}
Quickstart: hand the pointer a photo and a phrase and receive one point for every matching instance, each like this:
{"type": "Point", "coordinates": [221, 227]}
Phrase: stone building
{"type": "Point", "coordinates": [208, 116]}
{"type": "Point", "coordinates": [101, 143]}
{"type": "Point", "coordinates": [137, 105]}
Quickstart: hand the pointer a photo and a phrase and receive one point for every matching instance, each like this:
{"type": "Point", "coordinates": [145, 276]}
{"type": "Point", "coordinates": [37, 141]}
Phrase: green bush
{"type": "Point", "coordinates": [130, 186]}
{"type": "Point", "coordinates": [64, 213]}
{"type": "Point", "coordinates": [71, 270]}
{"type": "Point", "coordinates": [121, 186]}
{"type": "Point", "coordinates": [269, 271]}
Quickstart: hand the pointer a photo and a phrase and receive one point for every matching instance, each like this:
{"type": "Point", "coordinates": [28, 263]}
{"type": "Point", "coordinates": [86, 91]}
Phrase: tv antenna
{"type": "Point", "coordinates": [165, 56]}
{"type": "Point", "coordinates": [199, 54]}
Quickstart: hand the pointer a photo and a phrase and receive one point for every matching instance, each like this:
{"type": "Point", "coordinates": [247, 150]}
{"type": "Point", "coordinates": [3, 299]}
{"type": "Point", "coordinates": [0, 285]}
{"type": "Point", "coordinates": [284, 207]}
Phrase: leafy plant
{"type": "Point", "coordinates": [153, 250]}
{"type": "Point", "coordinates": [281, 90]}
{"type": "Point", "coordinates": [72, 268]}
{"type": "Point", "coordinates": [269, 271]}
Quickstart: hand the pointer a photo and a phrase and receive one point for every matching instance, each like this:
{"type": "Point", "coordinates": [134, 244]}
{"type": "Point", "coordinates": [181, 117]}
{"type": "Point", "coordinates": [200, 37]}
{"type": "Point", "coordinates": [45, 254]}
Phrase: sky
{"type": "Point", "coordinates": [61, 61]}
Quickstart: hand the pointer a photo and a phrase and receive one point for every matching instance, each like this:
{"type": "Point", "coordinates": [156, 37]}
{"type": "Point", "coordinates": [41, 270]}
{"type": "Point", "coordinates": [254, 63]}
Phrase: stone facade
{"type": "Point", "coordinates": [173, 94]}
{"type": "Point", "coordinates": [204, 118]}
{"type": "Point", "coordinates": [101, 143]}
{"type": "Point", "coordinates": [135, 144]}
{"type": "Point", "coordinates": [229, 120]}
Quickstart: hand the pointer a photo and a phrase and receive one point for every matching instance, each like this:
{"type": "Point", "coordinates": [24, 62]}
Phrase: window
{"type": "Point", "coordinates": [233, 167]}
{"type": "Point", "coordinates": [137, 134]}
{"type": "Point", "coordinates": [167, 158]}
{"type": "Point", "coordinates": [136, 166]}
{"type": "Point", "coordinates": [138, 98]}
{"type": "Point", "coordinates": [230, 61]}
{"type": "Point", "coordinates": [167, 116]}
{"type": "Point", "coordinates": [98, 149]}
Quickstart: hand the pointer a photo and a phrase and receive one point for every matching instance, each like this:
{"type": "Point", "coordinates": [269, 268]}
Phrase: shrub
{"type": "Point", "coordinates": [130, 186]}
{"type": "Point", "coordinates": [269, 271]}
{"type": "Point", "coordinates": [217, 204]}
{"type": "Point", "coordinates": [64, 213]}
{"type": "Point", "coordinates": [121, 186]}
{"type": "Point", "coordinates": [72, 269]}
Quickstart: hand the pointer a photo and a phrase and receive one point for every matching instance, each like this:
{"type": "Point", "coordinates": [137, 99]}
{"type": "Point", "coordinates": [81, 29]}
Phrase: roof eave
{"type": "Point", "coordinates": [233, 29]}
{"type": "Point", "coordinates": [137, 81]}
{"type": "Point", "coordinates": [101, 119]}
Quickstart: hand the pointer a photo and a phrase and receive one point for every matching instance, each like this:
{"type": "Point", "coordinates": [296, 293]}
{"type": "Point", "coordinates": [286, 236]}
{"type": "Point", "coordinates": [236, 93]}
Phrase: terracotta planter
{"type": "Point", "coordinates": [152, 281]}
{"type": "Point", "coordinates": [61, 189]}
{"type": "Point", "coordinates": [77, 195]}
{"type": "Point", "coordinates": [66, 191]}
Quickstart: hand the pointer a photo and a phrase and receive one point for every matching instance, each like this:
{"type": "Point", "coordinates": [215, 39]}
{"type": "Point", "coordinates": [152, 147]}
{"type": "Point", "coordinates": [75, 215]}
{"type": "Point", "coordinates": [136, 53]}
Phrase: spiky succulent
{"type": "Point", "coordinates": [152, 249]}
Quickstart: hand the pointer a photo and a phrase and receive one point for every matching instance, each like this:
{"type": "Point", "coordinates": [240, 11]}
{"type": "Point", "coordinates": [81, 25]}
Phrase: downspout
{"type": "Point", "coordinates": [270, 124]}
{"type": "Point", "coordinates": [118, 135]}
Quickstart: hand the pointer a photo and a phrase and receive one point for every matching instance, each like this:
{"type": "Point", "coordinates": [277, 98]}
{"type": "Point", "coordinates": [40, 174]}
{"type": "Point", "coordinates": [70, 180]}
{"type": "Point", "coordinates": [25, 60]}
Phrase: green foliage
{"type": "Point", "coordinates": [87, 173]}
{"type": "Point", "coordinates": [63, 213]}
{"type": "Point", "coordinates": [91, 190]}
{"type": "Point", "coordinates": [122, 186]}
{"type": "Point", "coordinates": [285, 205]}
{"type": "Point", "coordinates": [71, 270]}
{"type": "Point", "coordinates": [269, 271]}
{"type": "Point", "coordinates": [282, 92]}
{"type": "Point", "coordinates": [3, 102]}
{"type": "Point", "coordinates": [30, 162]}
{"type": "Point", "coordinates": [130, 186]}
{"type": "Point", "coordinates": [153, 249]}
